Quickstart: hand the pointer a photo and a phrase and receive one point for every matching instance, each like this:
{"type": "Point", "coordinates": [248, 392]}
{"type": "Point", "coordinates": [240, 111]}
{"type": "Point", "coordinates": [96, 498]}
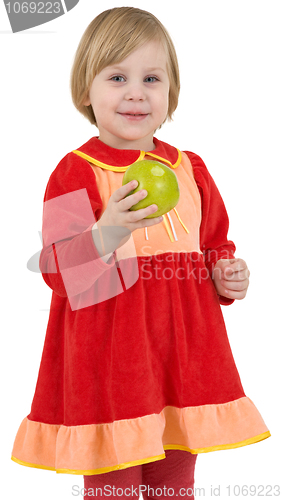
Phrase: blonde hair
{"type": "Point", "coordinates": [111, 37]}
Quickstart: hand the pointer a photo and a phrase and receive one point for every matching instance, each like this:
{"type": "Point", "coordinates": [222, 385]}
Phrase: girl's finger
{"type": "Point", "coordinates": [235, 285]}
{"type": "Point", "coordinates": [147, 222]}
{"type": "Point", "coordinates": [232, 294]}
{"type": "Point", "coordinates": [236, 265]}
{"type": "Point", "coordinates": [139, 215]}
{"type": "Point", "coordinates": [121, 192]}
{"type": "Point", "coordinates": [132, 199]}
{"type": "Point", "coordinates": [238, 275]}
{"type": "Point", "coordinates": [126, 200]}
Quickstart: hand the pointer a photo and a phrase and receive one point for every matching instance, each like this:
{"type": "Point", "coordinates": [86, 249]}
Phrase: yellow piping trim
{"type": "Point", "coordinates": [125, 465]}
{"type": "Point", "coordinates": [123, 169]}
{"type": "Point", "coordinates": [181, 220]}
{"type": "Point", "coordinates": [168, 228]}
{"type": "Point", "coordinates": [104, 165]}
{"type": "Point", "coordinates": [110, 469]}
{"type": "Point", "coordinates": [253, 440]}
{"type": "Point", "coordinates": [35, 466]}
{"type": "Point", "coordinates": [162, 159]}
{"type": "Point", "coordinates": [91, 472]}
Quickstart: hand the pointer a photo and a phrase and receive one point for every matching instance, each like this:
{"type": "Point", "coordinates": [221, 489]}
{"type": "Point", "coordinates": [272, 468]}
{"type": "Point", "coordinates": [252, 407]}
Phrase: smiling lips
{"type": "Point", "coordinates": [134, 116]}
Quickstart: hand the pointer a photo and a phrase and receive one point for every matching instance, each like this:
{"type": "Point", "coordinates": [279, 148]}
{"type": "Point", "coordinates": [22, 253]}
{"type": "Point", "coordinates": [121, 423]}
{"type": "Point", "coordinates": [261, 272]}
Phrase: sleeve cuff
{"type": "Point", "coordinates": [224, 301]}
{"type": "Point", "coordinates": [105, 258]}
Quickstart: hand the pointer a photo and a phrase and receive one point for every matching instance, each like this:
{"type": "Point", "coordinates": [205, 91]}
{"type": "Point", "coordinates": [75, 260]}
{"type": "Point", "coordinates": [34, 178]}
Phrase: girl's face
{"type": "Point", "coordinates": [130, 99]}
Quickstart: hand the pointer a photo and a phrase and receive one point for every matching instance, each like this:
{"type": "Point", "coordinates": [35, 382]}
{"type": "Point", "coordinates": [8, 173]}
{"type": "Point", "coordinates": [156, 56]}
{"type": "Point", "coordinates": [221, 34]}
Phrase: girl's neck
{"type": "Point", "coordinates": [146, 144]}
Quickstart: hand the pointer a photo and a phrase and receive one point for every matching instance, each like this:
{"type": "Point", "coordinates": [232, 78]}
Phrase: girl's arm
{"type": "Point", "coordinates": [69, 260]}
{"type": "Point", "coordinates": [214, 242]}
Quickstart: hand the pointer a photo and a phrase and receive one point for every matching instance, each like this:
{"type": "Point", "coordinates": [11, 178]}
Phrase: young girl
{"type": "Point", "coordinates": [137, 376]}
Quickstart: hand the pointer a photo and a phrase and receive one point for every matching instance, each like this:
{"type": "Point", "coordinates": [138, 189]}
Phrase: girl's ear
{"type": "Point", "coordinates": [87, 101]}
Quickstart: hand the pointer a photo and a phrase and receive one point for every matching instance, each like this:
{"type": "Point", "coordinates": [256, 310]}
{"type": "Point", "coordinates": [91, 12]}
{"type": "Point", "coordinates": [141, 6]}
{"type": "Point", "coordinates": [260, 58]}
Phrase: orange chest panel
{"type": "Point", "coordinates": [170, 235]}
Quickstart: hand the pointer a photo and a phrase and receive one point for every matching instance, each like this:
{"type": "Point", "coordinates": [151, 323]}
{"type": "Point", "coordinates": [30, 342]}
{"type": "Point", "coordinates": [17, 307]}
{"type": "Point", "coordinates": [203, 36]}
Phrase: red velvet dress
{"type": "Point", "coordinates": [136, 358]}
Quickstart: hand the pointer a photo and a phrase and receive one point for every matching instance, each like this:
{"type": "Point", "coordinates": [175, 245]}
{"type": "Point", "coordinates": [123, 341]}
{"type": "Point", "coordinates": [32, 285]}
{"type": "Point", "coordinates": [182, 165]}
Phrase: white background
{"type": "Point", "coordinates": [230, 114]}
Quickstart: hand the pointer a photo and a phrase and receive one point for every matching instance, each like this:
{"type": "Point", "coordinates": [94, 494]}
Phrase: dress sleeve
{"type": "Point", "coordinates": [69, 261]}
{"type": "Point", "coordinates": [215, 223]}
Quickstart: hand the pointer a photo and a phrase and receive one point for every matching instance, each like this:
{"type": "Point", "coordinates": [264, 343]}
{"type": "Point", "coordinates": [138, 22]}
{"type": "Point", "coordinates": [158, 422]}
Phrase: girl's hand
{"type": "Point", "coordinates": [118, 222]}
{"type": "Point", "coordinates": [118, 214]}
{"type": "Point", "coordinates": [231, 278]}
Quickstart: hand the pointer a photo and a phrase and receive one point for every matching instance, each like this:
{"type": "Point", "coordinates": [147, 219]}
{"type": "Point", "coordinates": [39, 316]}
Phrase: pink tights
{"type": "Point", "coordinates": [160, 480]}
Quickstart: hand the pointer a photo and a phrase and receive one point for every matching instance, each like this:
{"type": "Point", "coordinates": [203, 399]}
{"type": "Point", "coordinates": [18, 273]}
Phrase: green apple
{"type": "Point", "coordinates": [160, 183]}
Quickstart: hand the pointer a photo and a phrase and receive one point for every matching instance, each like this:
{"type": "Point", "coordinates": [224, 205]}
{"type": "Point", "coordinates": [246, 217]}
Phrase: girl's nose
{"type": "Point", "coordinates": [135, 93]}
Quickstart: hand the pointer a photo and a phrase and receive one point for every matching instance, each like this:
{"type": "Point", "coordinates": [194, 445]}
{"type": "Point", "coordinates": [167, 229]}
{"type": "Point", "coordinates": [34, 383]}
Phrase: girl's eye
{"type": "Point", "coordinates": [151, 79]}
{"type": "Point", "coordinates": [117, 78]}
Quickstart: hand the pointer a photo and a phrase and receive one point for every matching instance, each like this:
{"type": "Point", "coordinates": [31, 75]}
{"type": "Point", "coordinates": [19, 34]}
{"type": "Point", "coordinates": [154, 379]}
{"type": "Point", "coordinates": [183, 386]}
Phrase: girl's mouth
{"type": "Point", "coordinates": [134, 116]}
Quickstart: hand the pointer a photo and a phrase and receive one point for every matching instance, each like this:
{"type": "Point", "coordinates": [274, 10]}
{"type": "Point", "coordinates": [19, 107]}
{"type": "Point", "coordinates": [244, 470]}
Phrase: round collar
{"type": "Point", "coordinates": [106, 157]}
